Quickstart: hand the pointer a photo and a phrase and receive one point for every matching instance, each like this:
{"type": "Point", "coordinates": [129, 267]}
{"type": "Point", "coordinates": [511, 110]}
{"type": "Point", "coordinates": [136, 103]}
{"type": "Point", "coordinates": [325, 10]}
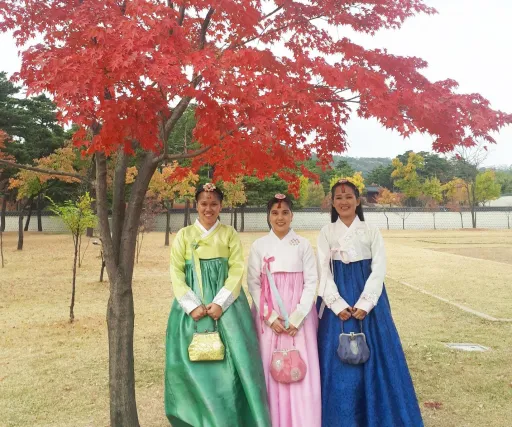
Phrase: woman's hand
{"type": "Point", "coordinates": [292, 330]}
{"type": "Point", "coordinates": [358, 313]}
{"type": "Point", "coordinates": [345, 314]}
{"type": "Point", "coordinates": [198, 313]}
{"type": "Point", "coordinates": [214, 311]}
{"type": "Point", "coordinates": [278, 326]}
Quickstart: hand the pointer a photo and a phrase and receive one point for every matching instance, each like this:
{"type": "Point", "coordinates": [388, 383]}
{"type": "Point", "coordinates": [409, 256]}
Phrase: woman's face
{"type": "Point", "coordinates": [208, 208]}
{"type": "Point", "coordinates": [345, 202]}
{"type": "Point", "coordinates": [280, 218]}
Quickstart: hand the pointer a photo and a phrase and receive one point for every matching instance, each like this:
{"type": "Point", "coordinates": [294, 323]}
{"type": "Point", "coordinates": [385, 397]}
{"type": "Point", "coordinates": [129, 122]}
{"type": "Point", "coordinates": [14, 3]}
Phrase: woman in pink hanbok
{"type": "Point", "coordinates": [282, 279]}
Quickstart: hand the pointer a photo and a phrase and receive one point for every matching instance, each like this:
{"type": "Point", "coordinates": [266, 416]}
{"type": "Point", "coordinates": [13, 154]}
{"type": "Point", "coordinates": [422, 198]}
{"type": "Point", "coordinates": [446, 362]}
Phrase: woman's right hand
{"type": "Point", "coordinates": [278, 326]}
{"type": "Point", "coordinates": [198, 313]}
{"type": "Point", "coordinates": [345, 314]}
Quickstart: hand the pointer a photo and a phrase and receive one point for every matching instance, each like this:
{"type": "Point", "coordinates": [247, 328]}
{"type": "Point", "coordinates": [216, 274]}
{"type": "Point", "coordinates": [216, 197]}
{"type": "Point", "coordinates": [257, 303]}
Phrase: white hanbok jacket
{"type": "Point", "coordinates": [360, 241]}
{"type": "Point", "coordinates": [293, 253]}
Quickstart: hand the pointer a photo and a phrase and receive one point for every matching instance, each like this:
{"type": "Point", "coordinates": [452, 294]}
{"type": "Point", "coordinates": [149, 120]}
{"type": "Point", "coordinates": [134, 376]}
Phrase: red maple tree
{"type": "Point", "coordinates": [272, 84]}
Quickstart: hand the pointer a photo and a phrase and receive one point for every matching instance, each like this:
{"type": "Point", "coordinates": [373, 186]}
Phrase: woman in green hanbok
{"type": "Point", "coordinates": [227, 393]}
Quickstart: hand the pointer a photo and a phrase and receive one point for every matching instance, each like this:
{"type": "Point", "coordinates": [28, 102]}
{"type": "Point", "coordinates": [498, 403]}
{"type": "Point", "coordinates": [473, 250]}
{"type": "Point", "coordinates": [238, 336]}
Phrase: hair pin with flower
{"type": "Point", "coordinates": [209, 187]}
{"type": "Point", "coordinates": [343, 181]}
{"type": "Point", "coordinates": [280, 196]}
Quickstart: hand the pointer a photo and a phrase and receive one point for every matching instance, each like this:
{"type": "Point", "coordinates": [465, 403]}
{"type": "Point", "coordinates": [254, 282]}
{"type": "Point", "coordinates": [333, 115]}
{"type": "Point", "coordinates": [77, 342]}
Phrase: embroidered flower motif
{"type": "Point", "coordinates": [371, 297]}
{"type": "Point", "coordinates": [294, 242]}
{"type": "Point", "coordinates": [295, 374]}
{"type": "Point", "coordinates": [278, 364]}
{"type": "Point", "coordinates": [209, 186]}
{"type": "Point", "coordinates": [280, 196]}
{"type": "Point", "coordinates": [331, 299]}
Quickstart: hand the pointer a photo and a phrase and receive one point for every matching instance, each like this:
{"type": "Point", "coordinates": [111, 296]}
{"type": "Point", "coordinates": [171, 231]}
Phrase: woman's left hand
{"type": "Point", "coordinates": [292, 330]}
{"type": "Point", "coordinates": [358, 313]}
{"type": "Point", "coordinates": [214, 311]}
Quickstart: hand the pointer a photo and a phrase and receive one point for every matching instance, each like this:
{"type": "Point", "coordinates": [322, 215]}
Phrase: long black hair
{"type": "Point", "coordinates": [278, 198]}
{"type": "Point", "coordinates": [216, 190]}
{"type": "Point", "coordinates": [359, 208]}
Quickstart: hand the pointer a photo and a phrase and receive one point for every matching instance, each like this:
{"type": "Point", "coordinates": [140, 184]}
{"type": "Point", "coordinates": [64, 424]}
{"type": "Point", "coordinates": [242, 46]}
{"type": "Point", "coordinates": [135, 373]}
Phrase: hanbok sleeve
{"type": "Point", "coordinates": [254, 283]}
{"type": "Point", "coordinates": [310, 287]}
{"type": "Point", "coordinates": [185, 296]}
{"type": "Point", "coordinates": [375, 283]}
{"type": "Point", "coordinates": [233, 284]}
{"type": "Point", "coordinates": [328, 289]}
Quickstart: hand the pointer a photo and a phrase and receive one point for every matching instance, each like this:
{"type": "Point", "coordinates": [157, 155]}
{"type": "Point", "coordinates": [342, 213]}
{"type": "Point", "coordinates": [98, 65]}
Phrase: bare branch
{"type": "Point", "coordinates": [102, 212]}
{"type": "Point", "coordinates": [264, 33]}
{"type": "Point", "coordinates": [268, 15]}
{"type": "Point", "coordinates": [341, 100]}
{"type": "Point", "coordinates": [118, 200]}
{"type": "Point", "coordinates": [182, 14]}
{"type": "Point", "coordinates": [44, 171]}
{"type": "Point", "coordinates": [187, 155]}
{"type": "Point", "coordinates": [204, 28]}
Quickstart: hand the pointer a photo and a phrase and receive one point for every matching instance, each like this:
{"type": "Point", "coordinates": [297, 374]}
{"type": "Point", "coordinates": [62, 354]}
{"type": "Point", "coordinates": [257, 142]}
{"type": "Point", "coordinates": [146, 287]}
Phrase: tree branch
{"type": "Point", "coordinates": [341, 100]}
{"type": "Point", "coordinates": [268, 15]}
{"type": "Point", "coordinates": [118, 200]}
{"type": "Point", "coordinates": [44, 171]}
{"type": "Point", "coordinates": [187, 155]}
{"type": "Point", "coordinates": [204, 28]}
{"type": "Point", "coordinates": [263, 33]}
{"type": "Point", "coordinates": [182, 14]}
{"type": "Point", "coordinates": [102, 212]}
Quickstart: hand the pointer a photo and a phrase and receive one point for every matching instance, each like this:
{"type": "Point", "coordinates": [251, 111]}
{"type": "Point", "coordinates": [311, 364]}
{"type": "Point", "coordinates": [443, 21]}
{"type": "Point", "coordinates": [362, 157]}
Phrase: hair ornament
{"type": "Point", "coordinates": [209, 187]}
{"type": "Point", "coordinates": [280, 196]}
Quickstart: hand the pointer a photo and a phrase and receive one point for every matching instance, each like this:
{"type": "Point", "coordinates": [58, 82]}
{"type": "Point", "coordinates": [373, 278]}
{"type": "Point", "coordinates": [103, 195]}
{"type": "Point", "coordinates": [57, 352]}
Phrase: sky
{"type": "Point", "coordinates": [468, 41]}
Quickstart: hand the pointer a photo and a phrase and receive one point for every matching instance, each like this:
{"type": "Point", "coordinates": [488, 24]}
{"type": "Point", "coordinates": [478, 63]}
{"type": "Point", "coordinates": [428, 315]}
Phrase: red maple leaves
{"type": "Point", "coordinates": [267, 89]}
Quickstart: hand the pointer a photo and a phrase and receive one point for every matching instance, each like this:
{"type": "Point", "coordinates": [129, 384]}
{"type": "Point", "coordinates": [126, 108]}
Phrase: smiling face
{"type": "Point", "coordinates": [280, 218]}
{"type": "Point", "coordinates": [208, 208]}
{"type": "Point", "coordinates": [345, 202]}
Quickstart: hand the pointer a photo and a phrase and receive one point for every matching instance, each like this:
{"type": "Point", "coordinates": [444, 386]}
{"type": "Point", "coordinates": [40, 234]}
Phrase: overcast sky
{"type": "Point", "coordinates": [469, 41]}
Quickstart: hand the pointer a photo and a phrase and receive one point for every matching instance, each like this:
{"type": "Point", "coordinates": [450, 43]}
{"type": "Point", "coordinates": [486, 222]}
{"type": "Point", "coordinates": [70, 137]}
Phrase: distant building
{"type": "Point", "coordinates": [372, 191]}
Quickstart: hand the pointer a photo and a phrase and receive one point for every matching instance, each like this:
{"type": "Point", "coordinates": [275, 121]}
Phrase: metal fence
{"type": "Point", "coordinates": [255, 219]}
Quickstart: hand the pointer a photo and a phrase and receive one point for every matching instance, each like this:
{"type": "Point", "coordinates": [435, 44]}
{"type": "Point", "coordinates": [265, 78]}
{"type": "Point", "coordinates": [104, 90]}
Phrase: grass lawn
{"type": "Point", "coordinates": [53, 373]}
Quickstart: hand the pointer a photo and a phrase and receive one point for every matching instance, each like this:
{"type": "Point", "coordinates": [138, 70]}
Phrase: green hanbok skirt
{"type": "Point", "coordinates": [228, 393]}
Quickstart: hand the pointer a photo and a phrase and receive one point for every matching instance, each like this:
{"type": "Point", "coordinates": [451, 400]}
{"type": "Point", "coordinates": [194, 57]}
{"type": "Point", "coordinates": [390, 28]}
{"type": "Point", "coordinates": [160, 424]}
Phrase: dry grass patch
{"type": "Point", "coordinates": [480, 284]}
{"type": "Point", "coordinates": [493, 253]}
{"type": "Point", "coordinates": [53, 373]}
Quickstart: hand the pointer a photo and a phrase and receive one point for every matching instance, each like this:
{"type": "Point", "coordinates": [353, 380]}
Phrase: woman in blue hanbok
{"type": "Point", "coordinates": [380, 392]}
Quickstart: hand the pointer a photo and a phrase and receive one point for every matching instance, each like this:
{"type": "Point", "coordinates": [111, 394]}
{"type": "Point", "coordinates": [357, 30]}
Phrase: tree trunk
{"type": "Point", "coordinates": [39, 219]}
{"type": "Point", "coordinates": [4, 208]}
{"type": "Point", "coordinates": [91, 173]}
{"type": "Point", "coordinates": [236, 218]}
{"type": "Point", "coordinates": [120, 323]}
{"type": "Point", "coordinates": [2, 247]}
{"type": "Point", "coordinates": [186, 220]}
{"type": "Point", "coordinates": [461, 219]}
{"type": "Point", "coordinates": [119, 252]}
{"type": "Point", "coordinates": [102, 267]}
{"type": "Point", "coordinates": [20, 226]}
{"type": "Point", "coordinates": [242, 219]}
{"type": "Point", "coordinates": [73, 286]}
{"type": "Point", "coordinates": [387, 220]}
{"type": "Point", "coordinates": [434, 215]}
{"type": "Point", "coordinates": [29, 215]}
{"type": "Point", "coordinates": [167, 225]}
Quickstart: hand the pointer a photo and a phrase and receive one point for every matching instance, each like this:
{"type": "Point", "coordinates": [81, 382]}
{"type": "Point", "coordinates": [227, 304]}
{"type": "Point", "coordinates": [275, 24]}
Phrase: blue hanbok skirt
{"type": "Point", "coordinates": [379, 393]}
